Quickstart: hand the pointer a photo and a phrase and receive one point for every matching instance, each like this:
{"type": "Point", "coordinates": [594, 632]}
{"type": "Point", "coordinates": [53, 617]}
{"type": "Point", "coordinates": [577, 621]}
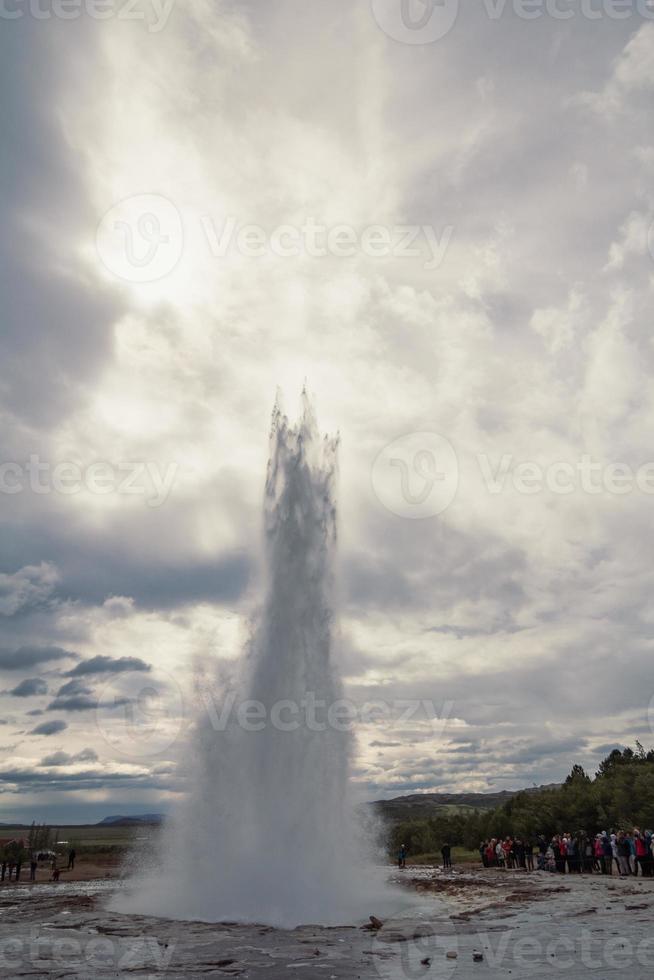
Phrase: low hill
{"type": "Point", "coordinates": [122, 821]}
{"type": "Point", "coordinates": [420, 805]}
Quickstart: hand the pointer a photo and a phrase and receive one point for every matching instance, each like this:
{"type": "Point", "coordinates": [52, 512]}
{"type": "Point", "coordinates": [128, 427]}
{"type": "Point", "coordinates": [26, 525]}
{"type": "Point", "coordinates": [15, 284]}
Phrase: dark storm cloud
{"type": "Point", "coordinates": [608, 747]}
{"type": "Point", "coordinates": [532, 752]}
{"type": "Point", "coordinates": [456, 564]}
{"type": "Point", "coordinates": [78, 702]}
{"type": "Point", "coordinates": [65, 758]}
{"type": "Point", "coordinates": [30, 780]}
{"type": "Point", "coordinates": [109, 665]}
{"type": "Point", "coordinates": [138, 556]}
{"type": "Point", "coordinates": [73, 687]}
{"type": "Point", "coordinates": [83, 702]}
{"type": "Point", "coordinates": [92, 576]}
{"type": "Point", "coordinates": [29, 687]}
{"type": "Point", "coordinates": [29, 656]}
{"type": "Point", "coordinates": [56, 326]}
{"type": "Point", "coordinates": [49, 728]}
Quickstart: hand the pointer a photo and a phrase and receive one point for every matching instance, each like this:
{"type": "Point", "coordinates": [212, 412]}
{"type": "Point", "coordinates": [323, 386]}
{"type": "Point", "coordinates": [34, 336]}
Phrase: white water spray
{"type": "Point", "coordinates": [265, 833]}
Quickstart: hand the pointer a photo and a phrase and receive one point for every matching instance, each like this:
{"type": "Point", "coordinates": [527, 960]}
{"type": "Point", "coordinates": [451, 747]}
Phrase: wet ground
{"type": "Point", "coordinates": [487, 924]}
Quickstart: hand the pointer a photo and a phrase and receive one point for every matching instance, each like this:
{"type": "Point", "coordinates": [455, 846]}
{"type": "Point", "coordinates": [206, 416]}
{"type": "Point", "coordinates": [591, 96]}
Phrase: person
{"type": "Point", "coordinates": [622, 846]}
{"type": "Point", "coordinates": [529, 854]}
{"type": "Point", "coordinates": [649, 858]}
{"type": "Point", "coordinates": [550, 858]}
{"type": "Point", "coordinates": [641, 852]}
{"type": "Point", "coordinates": [607, 854]}
{"type": "Point", "coordinates": [598, 850]}
{"type": "Point", "coordinates": [614, 852]}
{"type": "Point", "coordinates": [71, 859]}
{"type": "Point", "coordinates": [507, 846]}
{"type": "Point", "coordinates": [519, 854]}
{"type": "Point", "coordinates": [571, 853]}
{"type": "Point", "coordinates": [482, 853]}
{"type": "Point", "coordinates": [632, 854]}
{"type": "Point", "coordinates": [33, 866]}
{"type": "Point", "coordinates": [401, 857]}
{"type": "Point", "coordinates": [560, 853]}
{"type": "Point", "coordinates": [446, 851]}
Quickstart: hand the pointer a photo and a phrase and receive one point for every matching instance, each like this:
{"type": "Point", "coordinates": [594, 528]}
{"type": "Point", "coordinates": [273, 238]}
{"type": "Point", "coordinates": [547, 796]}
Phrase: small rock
{"type": "Point", "coordinates": [477, 957]}
{"type": "Point", "coordinates": [451, 955]}
{"type": "Point", "coordinates": [425, 962]}
{"type": "Point", "coordinates": [375, 922]}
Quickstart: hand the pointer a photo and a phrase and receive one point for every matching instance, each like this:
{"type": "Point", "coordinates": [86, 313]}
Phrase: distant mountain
{"type": "Point", "coordinates": [429, 804]}
{"type": "Point", "coordinates": [123, 821]}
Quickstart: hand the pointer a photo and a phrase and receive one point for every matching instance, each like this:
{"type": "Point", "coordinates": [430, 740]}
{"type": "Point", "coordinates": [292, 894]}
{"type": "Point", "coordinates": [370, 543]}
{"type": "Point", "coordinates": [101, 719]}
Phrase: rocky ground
{"type": "Point", "coordinates": [463, 924]}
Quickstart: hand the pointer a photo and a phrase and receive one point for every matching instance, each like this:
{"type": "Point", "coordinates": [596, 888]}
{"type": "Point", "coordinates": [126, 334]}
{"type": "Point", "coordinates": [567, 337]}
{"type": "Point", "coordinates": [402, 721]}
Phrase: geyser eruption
{"type": "Point", "coordinates": [264, 833]}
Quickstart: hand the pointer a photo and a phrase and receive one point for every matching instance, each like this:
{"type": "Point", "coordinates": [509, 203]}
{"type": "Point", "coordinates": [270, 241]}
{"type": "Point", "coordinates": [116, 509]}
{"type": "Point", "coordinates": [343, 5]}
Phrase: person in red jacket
{"type": "Point", "coordinates": [507, 847]}
{"type": "Point", "coordinates": [641, 852]}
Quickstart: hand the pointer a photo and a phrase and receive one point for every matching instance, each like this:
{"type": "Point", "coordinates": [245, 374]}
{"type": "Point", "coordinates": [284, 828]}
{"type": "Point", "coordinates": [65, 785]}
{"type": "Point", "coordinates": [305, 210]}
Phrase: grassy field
{"type": "Point", "coordinates": [102, 843]}
{"type": "Point", "coordinates": [91, 839]}
{"type": "Point", "coordinates": [459, 856]}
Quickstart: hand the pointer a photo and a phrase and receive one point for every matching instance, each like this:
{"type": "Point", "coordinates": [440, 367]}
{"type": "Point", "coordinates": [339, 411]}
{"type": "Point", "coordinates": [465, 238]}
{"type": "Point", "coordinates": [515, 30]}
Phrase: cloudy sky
{"type": "Point", "coordinates": [440, 216]}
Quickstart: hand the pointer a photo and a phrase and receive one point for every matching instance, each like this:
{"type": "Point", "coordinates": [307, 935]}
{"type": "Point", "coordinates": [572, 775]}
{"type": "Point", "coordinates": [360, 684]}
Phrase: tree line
{"type": "Point", "coordinates": [619, 796]}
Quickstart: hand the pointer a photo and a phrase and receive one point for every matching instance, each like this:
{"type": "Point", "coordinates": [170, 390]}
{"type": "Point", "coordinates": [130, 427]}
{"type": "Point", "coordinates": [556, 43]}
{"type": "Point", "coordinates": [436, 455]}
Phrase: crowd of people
{"type": "Point", "coordinates": [627, 852]}
{"type": "Point", "coordinates": [12, 865]}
